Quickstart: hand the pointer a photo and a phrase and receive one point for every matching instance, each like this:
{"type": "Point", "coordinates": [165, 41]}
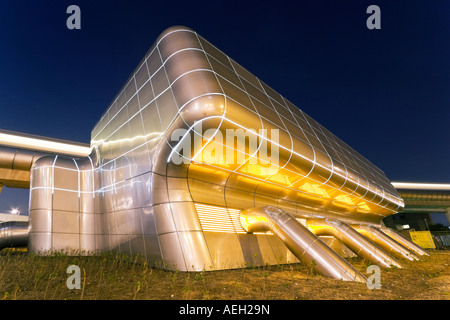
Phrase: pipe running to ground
{"type": "Point", "coordinates": [404, 241]}
{"type": "Point", "coordinates": [360, 245]}
{"type": "Point", "coordinates": [307, 247]}
{"type": "Point", "coordinates": [384, 241]}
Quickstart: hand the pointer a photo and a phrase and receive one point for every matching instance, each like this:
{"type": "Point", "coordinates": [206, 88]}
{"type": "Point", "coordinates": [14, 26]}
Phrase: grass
{"type": "Point", "coordinates": [114, 276]}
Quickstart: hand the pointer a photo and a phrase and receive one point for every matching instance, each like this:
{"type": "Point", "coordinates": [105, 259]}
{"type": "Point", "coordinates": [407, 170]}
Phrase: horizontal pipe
{"type": "Point", "coordinates": [356, 242]}
{"type": "Point", "coordinates": [307, 247]}
{"type": "Point", "coordinates": [14, 234]}
{"type": "Point", "coordinates": [384, 241]}
{"type": "Point", "coordinates": [44, 145]}
{"type": "Point", "coordinates": [404, 241]}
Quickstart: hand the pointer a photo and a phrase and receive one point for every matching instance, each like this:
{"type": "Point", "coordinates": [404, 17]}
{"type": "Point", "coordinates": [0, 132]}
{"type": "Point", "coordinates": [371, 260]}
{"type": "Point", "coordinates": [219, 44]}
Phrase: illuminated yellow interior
{"type": "Point", "coordinates": [295, 174]}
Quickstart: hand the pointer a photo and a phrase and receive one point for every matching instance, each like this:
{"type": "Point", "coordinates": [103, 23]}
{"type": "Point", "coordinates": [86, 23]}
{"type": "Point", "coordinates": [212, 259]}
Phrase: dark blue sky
{"type": "Point", "coordinates": [384, 92]}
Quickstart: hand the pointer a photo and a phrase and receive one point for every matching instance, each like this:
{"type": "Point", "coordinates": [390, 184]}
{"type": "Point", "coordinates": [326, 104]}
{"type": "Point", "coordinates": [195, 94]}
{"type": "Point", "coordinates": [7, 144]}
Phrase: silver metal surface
{"type": "Point", "coordinates": [308, 248]}
{"type": "Point", "coordinates": [18, 151]}
{"type": "Point", "coordinates": [360, 245]}
{"type": "Point", "coordinates": [14, 234]}
{"type": "Point", "coordinates": [404, 242]}
{"type": "Point", "coordinates": [129, 195]}
{"type": "Point", "coordinates": [384, 241]}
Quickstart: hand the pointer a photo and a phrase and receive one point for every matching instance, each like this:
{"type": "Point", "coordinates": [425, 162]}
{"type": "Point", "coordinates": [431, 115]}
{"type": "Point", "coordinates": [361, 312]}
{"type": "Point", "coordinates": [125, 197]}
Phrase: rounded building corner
{"type": "Point", "coordinates": [171, 29]}
{"type": "Point", "coordinates": [204, 106]}
{"type": "Point", "coordinates": [44, 161]}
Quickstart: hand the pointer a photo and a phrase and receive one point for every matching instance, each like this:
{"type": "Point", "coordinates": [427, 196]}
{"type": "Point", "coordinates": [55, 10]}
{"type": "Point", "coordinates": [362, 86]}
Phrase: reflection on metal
{"type": "Point", "coordinates": [308, 248]}
{"type": "Point", "coordinates": [15, 166]}
{"type": "Point", "coordinates": [384, 241]}
{"type": "Point", "coordinates": [13, 234]}
{"type": "Point", "coordinates": [18, 152]}
{"type": "Point", "coordinates": [130, 195]}
{"type": "Point", "coordinates": [360, 245]}
{"type": "Point", "coordinates": [43, 144]}
{"type": "Point", "coordinates": [404, 242]}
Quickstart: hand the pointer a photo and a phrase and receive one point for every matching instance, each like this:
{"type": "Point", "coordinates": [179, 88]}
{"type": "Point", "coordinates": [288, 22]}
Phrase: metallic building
{"type": "Point", "coordinates": [161, 181]}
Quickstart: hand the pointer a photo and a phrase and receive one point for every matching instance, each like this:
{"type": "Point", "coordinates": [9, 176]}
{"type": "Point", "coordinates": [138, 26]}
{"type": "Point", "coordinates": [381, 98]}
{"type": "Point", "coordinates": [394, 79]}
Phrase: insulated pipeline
{"type": "Point", "coordinates": [14, 234]}
{"type": "Point", "coordinates": [360, 245]}
{"type": "Point", "coordinates": [307, 247]}
{"type": "Point", "coordinates": [403, 241]}
{"type": "Point", "coordinates": [384, 241]}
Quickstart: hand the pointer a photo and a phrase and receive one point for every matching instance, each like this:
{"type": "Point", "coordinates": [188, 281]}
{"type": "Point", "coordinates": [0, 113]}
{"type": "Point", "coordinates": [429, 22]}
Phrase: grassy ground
{"type": "Point", "coordinates": [108, 276]}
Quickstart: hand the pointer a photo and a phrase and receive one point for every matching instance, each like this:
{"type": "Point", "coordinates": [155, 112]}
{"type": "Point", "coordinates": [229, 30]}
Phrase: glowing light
{"type": "Point", "coordinates": [15, 211]}
{"type": "Point", "coordinates": [258, 170]}
{"type": "Point", "coordinates": [418, 186]}
{"type": "Point", "coordinates": [345, 199]}
{"type": "Point", "coordinates": [44, 145]}
{"type": "Point", "coordinates": [249, 221]}
{"type": "Point", "coordinates": [314, 188]}
{"type": "Point", "coordinates": [363, 206]}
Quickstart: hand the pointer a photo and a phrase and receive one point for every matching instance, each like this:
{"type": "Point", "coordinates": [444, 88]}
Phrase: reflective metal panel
{"type": "Point", "coordinates": [404, 242]}
{"type": "Point", "coordinates": [384, 241]}
{"type": "Point", "coordinates": [225, 250]}
{"type": "Point", "coordinates": [14, 234]}
{"type": "Point", "coordinates": [163, 180]}
{"type": "Point", "coordinates": [353, 240]}
{"type": "Point", "coordinates": [300, 241]}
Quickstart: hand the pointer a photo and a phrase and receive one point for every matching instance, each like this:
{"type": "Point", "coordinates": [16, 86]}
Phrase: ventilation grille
{"type": "Point", "coordinates": [219, 219]}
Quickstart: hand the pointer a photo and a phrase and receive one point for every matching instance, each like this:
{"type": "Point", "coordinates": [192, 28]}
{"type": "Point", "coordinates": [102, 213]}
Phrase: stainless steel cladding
{"type": "Point", "coordinates": [404, 242]}
{"type": "Point", "coordinates": [14, 234]}
{"type": "Point", "coordinates": [359, 244]}
{"type": "Point", "coordinates": [162, 181]}
{"type": "Point", "coordinates": [305, 245]}
{"type": "Point", "coordinates": [19, 151]}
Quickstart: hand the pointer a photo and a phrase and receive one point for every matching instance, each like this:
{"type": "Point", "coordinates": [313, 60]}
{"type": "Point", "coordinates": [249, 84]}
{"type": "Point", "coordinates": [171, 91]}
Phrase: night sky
{"type": "Point", "coordinates": [384, 92]}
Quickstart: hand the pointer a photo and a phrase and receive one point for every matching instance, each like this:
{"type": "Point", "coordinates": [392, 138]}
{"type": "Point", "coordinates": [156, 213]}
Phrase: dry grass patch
{"type": "Point", "coordinates": [115, 276]}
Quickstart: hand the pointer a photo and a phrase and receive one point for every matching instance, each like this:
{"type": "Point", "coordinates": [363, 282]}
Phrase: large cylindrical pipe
{"type": "Point", "coordinates": [404, 241]}
{"type": "Point", "coordinates": [307, 247]}
{"type": "Point", "coordinates": [384, 241]}
{"type": "Point", "coordinates": [360, 245]}
{"type": "Point", "coordinates": [14, 234]}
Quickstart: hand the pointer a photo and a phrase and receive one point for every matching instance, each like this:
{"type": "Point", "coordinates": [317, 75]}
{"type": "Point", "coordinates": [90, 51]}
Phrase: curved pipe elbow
{"type": "Point", "coordinates": [356, 242]}
{"type": "Point", "coordinates": [308, 248]}
{"type": "Point", "coordinates": [385, 241]}
{"type": "Point", "coordinates": [405, 242]}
